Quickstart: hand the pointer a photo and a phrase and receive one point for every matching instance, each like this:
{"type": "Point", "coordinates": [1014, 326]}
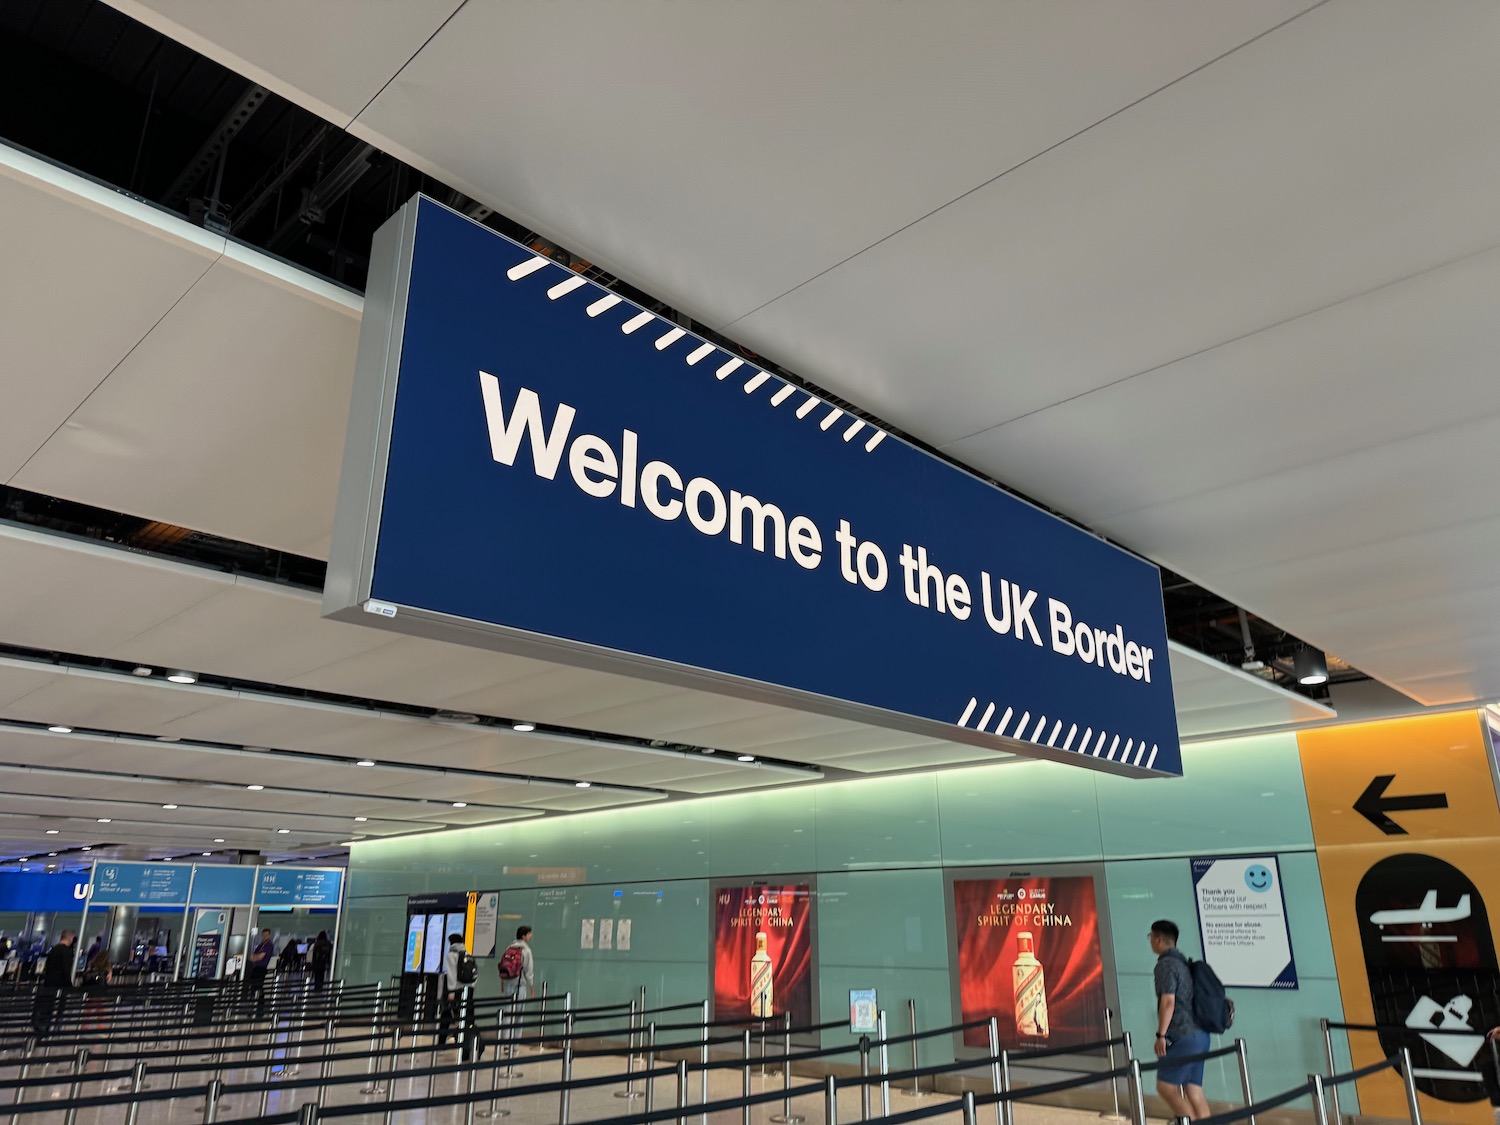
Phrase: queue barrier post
{"type": "Point", "coordinates": [1137, 1094]}
{"type": "Point", "coordinates": [567, 1070]}
{"type": "Point", "coordinates": [630, 1093]}
{"type": "Point", "coordinates": [745, 1086]}
{"type": "Point", "coordinates": [1114, 1083]}
{"type": "Point", "coordinates": [650, 1066]}
{"type": "Point", "coordinates": [682, 1091]}
{"type": "Point", "coordinates": [211, 1101]}
{"type": "Point", "coordinates": [308, 1114]}
{"type": "Point", "coordinates": [997, 1080]}
{"type": "Point", "coordinates": [1320, 1109]}
{"type": "Point", "coordinates": [469, 1089]}
{"type": "Point", "coordinates": [786, 1116]}
{"type": "Point", "coordinates": [1328, 1059]}
{"type": "Point", "coordinates": [1242, 1058]}
{"type": "Point", "coordinates": [911, 1021]}
{"type": "Point", "coordinates": [1007, 1107]}
{"type": "Point", "coordinates": [864, 1078]}
{"type": "Point", "coordinates": [703, 1062]}
{"type": "Point", "coordinates": [885, 1069]}
{"type": "Point", "coordinates": [969, 1118]}
{"type": "Point", "coordinates": [1409, 1080]}
{"type": "Point", "coordinates": [80, 1061]}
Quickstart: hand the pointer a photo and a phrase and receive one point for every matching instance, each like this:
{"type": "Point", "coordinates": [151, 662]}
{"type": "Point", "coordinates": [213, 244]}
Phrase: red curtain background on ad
{"type": "Point", "coordinates": [784, 914]}
{"type": "Point", "coordinates": [1061, 916]}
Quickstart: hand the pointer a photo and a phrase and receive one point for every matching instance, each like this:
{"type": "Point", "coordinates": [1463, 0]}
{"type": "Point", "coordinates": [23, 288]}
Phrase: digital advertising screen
{"type": "Point", "coordinates": [763, 952]}
{"type": "Point", "coordinates": [435, 945]}
{"type": "Point", "coordinates": [1029, 953]}
{"type": "Point", "coordinates": [416, 927]}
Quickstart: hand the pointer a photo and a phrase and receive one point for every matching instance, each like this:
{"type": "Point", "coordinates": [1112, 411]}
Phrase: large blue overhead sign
{"type": "Point", "coordinates": [298, 886]}
{"type": "Point", "coordinates": [539, 466]}
{"type": "Point", "coordinates": [141, 884]}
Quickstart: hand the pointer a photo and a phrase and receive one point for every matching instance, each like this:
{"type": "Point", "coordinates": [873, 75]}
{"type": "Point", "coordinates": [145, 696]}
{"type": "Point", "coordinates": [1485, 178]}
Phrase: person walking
{"type": "Point", "coordinates": [458, 975]}
{"type": "Point", "coordinates": [517, 980]}
{"type": "Point", "coordinates": [1180, 1085]}
{"type": "Point", "coordinates": [320, 958]}
{"type": "Point", "coordinates": [57, 979]}
{"type": "Point", "coordinates": [256, 969]}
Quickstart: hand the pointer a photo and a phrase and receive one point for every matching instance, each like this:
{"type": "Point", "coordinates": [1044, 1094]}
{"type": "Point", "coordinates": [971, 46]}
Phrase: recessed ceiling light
{"type": "Point", "coordinates": [460, 804]}
{"type": "Point", "coordinates": [255, 788]}
{"type": "Point", "coordinates": [168, 858]}
{"type": "Point", "coordinates": [142, 670]}
{"type": "Point", "coordinates": [581, 784]}
{"type": "Point", "coordinates": [104, 820]}
{"type": "Point", "coordinates": [282, 831]}
{"type": "Point", "coordinates": [52, 831]}
{"type": "Point", "coordinates": [365, 762]}
{"type": "Point", "coordinates": [61, 730]}
{"type": "Point", "coordinates": [51, 853]}
{"type": "Point", "coordinates": [208, 853]}
{"type": "Point", "coordinates": [523, 727]}
{"type": "Point", "coordinates": [747, 757]}
{"type": "Point", "coordinates": [88, 848]}
{"type": "Point", "coordinates": [218, 839]}
{"type": "Point", "coordinates": [179, 676]}
{"type": "Point", "coordinates": [348, 843]}
{"type": "Point", "coordinates": [706, 750]}
{"type": "Point", "coordinates": [360, 819]}
{"type": "Point", "coordinates": [169, 806]}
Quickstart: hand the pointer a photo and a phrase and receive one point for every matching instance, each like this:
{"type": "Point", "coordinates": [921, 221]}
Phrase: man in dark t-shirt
{"type": "Point", "coordinates": [1180, 1085]}
{"type": "Point", "coordinates": [57, 978]}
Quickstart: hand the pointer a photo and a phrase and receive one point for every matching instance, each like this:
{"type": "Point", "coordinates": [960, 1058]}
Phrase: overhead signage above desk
{"type": "Point", "coordinates": [536, 465]}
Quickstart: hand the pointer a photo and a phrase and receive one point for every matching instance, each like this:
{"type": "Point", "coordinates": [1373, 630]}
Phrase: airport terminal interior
{"type": "Point", "coordinates": [753, 561]}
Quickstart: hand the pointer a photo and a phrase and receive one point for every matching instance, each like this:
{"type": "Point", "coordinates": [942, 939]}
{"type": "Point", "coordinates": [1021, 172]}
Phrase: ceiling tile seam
{"type": "Point", "coordinates": [1225, 578]}
{"type": "Point", "coordinates": [1034, 157]}
{"type": "Point", "coordinates": [402, 68]}
{"type": "Point", "coordinates": [117, 365]}
{"type": "Point", "coordinates": [1207, 349]}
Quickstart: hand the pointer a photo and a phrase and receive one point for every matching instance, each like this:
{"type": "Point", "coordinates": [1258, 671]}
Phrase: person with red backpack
{"type": "Point", "coordinates": [518, 968]}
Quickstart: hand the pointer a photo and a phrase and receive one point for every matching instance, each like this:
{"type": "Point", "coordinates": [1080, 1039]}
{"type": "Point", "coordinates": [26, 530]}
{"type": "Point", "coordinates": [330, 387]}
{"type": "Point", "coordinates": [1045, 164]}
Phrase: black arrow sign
{"type": "Point", "coordinates": [1373, 804]}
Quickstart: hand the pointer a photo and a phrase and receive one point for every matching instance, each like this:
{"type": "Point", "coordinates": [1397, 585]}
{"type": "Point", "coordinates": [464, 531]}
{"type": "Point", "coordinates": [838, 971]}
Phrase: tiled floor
{"type": "Point", "coordinates": [594, 1104]}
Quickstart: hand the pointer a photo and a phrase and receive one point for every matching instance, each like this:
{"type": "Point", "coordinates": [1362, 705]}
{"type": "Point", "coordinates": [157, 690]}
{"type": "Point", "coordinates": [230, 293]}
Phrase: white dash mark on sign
{"type": "Point", "coordinates": [963, 720]}
{"type": "Point", "coordinates": [1151, 761]}
{"type": "Point", "coordinates": [1113, 747]}
{"type": "Point", "coordinates": [669, 339]}
{"type": "Point", "coordinates": [728, 369]}
{"type": "Point", "coordinates": [603, 304]}
{"type": "Point", "coordinates": [1056, 730]}
{"type": "Point", "coordinates": [984, 720]}
{"type": "Point", "coordinates": [528, 267]}
{"type": "Point", "coordinates": [563, 288]}
{"type": "Point", "coordinates": [782, 395]}
{"type": "Point", "coordinates": [1041, 724]}
{"type": "Point", "coordinates": [1072, 733]}
{"type": "Point", "coordinates": [1004, 721]}
{"type": "Point", "coordinates": [1020, 731]}
{"type": "Point", "coordinates": [639, 320]}
{"type": "Point", "coordinates": [874, 441]}
{"type": "Point", "coordinates": [1098, 746]}
{"type": "Point", "coordinates": [703, 351]}
{"type": "Point", "coordinates": [755, 381]}
{"type": "Point", "coordinates": [833, 416]}
{"type": "Point", "coordinates": [854, 428]}
{"type": "Point", "coordinates": [806, 408]}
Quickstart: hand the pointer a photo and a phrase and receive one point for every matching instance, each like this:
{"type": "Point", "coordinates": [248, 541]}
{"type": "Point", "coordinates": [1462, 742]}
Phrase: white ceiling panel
{"type": "Point", "coordinates": [820, 129]}
{"type": "Point", "coordinates": [1401, 360]}
{"type": "Point", "coordinates": [1221, 699]}
{"type": "Point", "coordinates": [79, 699]}
{"type": "Point", "coordinates": [57, 593]}
{"type": "Point", "coordinates": [336, 53]}
{"type": "Point", "coordinates": [1282, 178]}
{"type": "Point", "coordinates": [122, 261]}
{"type": "Point", "coordinates": [144, 444]}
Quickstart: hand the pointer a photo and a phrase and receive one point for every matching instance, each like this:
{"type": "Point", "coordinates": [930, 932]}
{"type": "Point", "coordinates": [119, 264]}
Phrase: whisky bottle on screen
{"type": "Point", "coordinates": [1030, 988]}
{"type": "Point", "coordinates": [760, 980]}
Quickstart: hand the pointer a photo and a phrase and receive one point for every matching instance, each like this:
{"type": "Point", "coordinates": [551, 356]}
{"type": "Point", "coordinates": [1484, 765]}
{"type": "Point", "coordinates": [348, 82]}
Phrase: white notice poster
{"type": "Point", "coordinates": [606, 932]}
{"type": "Point", "coordinates": [1242, 920]}
{"type": "Point", "coordinates": [486, 921]}
{"type": "Point", "coordinates": [586, 936]}
{"type": "Point", "coordinates": [622, 934]}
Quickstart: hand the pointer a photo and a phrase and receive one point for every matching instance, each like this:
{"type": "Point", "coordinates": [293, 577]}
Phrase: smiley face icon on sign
{"type": "Point", "coordinates": [1258, 877]}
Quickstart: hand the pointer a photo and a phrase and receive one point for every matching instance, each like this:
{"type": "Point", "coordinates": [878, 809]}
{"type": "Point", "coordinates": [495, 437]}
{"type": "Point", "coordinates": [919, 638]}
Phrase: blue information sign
{"type": "Point", "coordinates": [564, 475]}
{"type": "Point", "coordinates": [25, 891]}
{"type": "Point", "coordinates": [141, 884]}
{"type": "Point", "coordinates": [298, 886]}
{"type": "Point", "coordinates": [223, 885]}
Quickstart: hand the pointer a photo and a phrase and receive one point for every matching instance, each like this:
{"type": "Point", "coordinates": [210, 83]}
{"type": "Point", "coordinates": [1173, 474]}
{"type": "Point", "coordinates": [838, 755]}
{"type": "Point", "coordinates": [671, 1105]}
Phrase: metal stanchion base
{"type": "Point", "coordinates": [629, 1095]}
{"type": "Point", "coordinates": [488, 1113]}
{"type": "Point", "coordinates": [1113, 1117]}
{"type": "Point", "coordinates": [788, 1118]}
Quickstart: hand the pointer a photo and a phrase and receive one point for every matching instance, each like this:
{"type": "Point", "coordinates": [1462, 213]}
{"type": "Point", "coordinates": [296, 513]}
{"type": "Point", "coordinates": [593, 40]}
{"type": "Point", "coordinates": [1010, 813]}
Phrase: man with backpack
{"type": "Point", "coordinates": [1178, 1033]}
{"type": "Point", "coordinates": [517, 968]}
{"type": "Point", "coordinates": [460, 971]}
